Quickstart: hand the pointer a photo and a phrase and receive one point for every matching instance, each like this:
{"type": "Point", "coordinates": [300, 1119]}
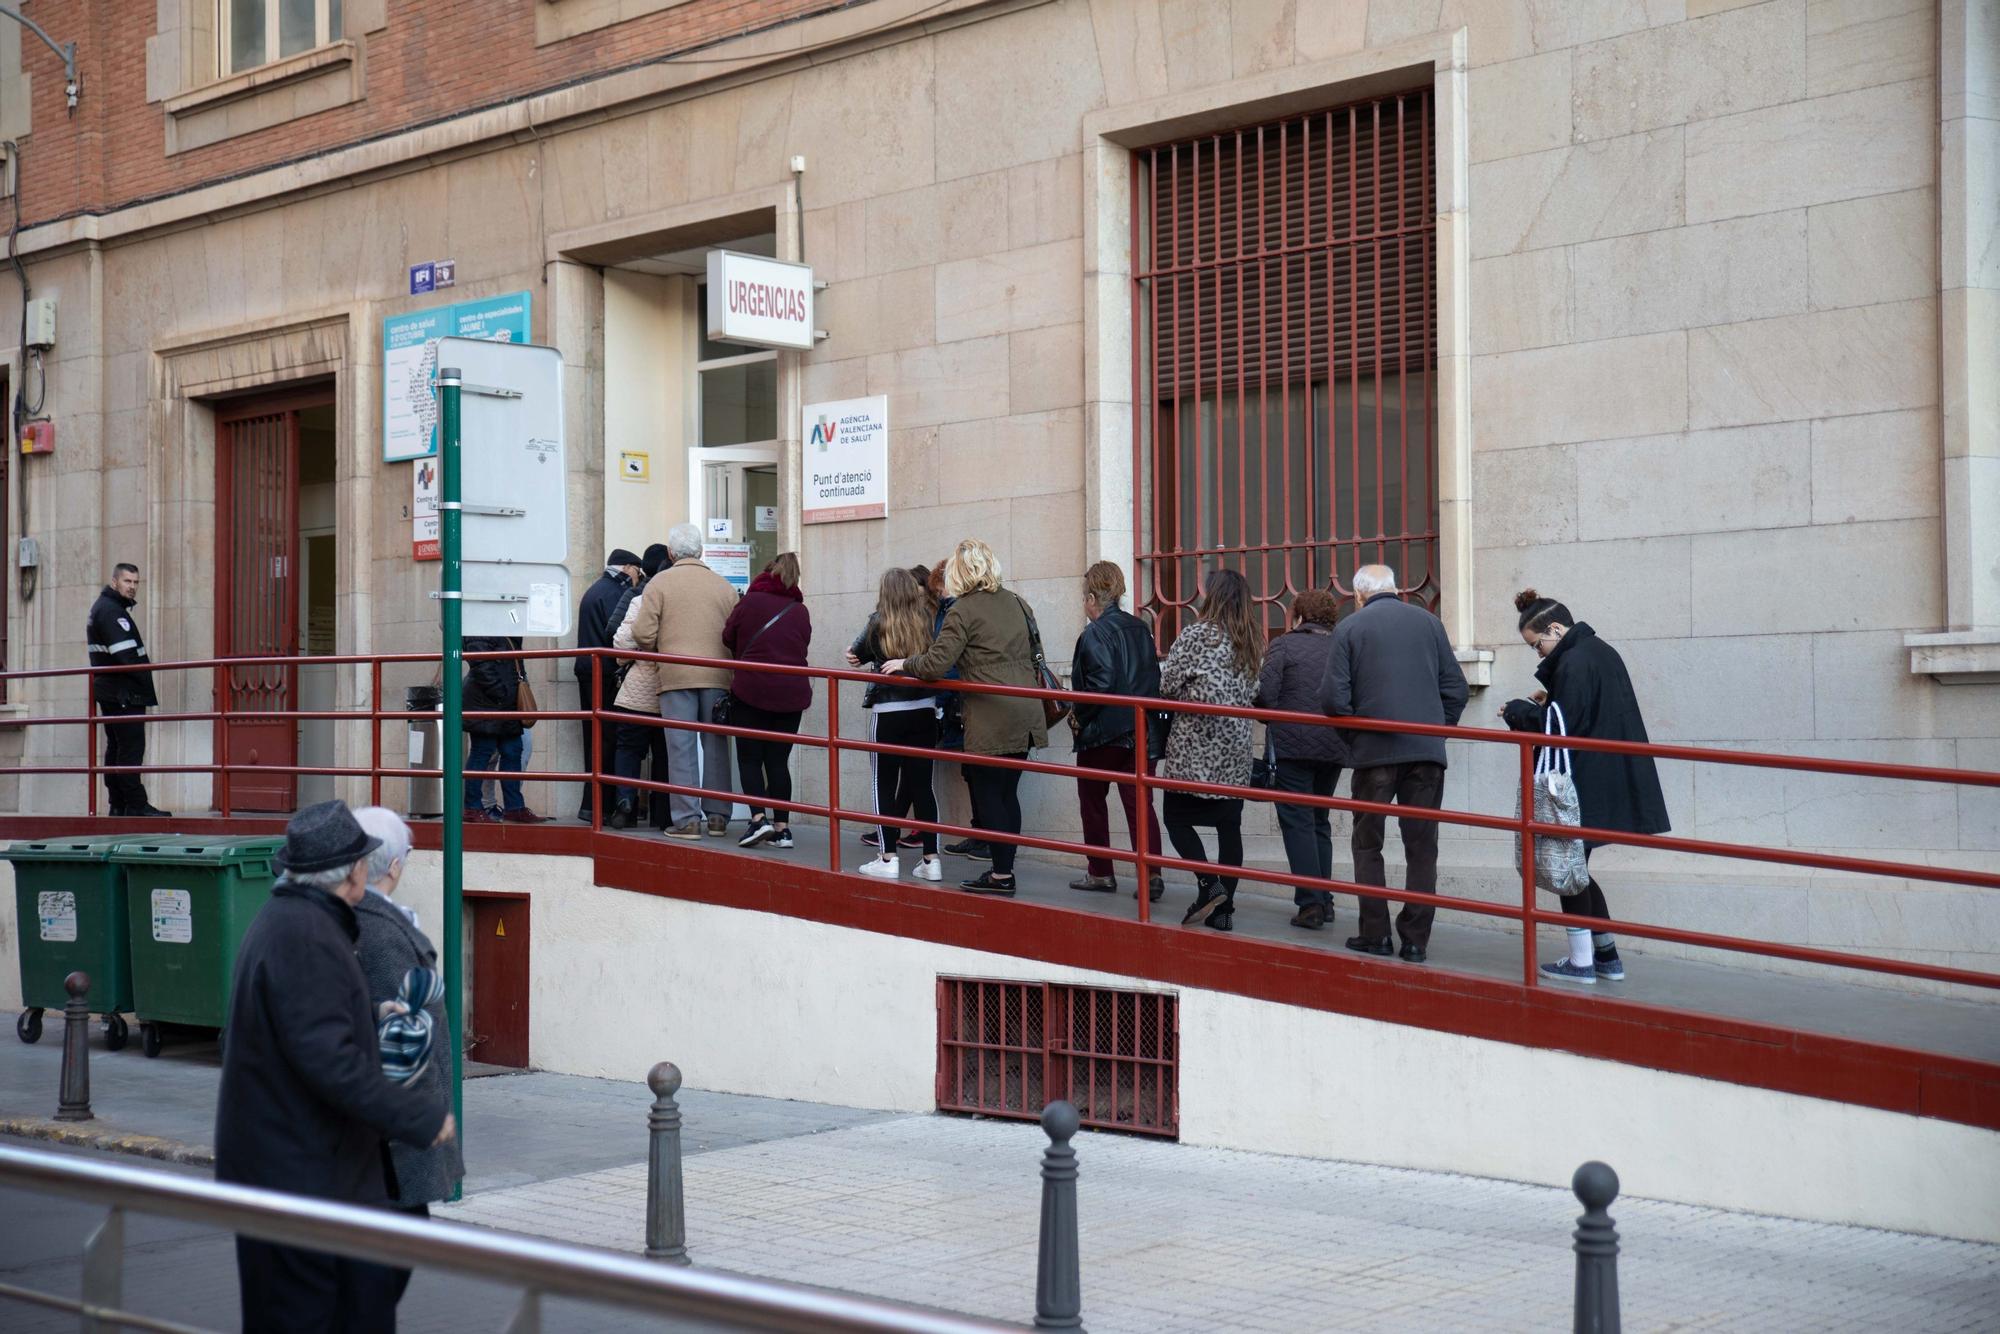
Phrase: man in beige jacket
{"type": "Point", "coordinates": [682, 611]}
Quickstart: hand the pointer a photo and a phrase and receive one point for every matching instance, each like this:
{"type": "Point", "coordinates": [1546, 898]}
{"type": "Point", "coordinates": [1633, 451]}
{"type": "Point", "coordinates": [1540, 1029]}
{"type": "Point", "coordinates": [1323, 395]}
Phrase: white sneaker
{"type": "Point", "coordinates": [886, 868]}
{"type": "Point", "coordinates": [930, 868]}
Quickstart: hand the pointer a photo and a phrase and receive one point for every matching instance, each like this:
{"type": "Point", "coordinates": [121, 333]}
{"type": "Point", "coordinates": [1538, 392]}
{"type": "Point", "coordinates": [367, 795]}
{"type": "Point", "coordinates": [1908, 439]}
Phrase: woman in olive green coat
{"type": "Point", "coordinates": [989, 635]}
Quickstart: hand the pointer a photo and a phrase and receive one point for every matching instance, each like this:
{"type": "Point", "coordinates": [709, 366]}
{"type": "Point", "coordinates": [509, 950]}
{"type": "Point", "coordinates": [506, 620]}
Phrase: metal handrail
{"type": "Point", "coordinates": [1527, 910]}
{"type": "Point", "coordinates": [536, 1267]}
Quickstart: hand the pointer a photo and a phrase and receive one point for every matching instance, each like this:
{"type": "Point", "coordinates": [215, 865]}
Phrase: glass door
{"type": "Point", "coordinates": [733, 464]}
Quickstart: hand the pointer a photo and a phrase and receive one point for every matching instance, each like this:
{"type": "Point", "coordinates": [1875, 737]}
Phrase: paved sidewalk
{"type": "Point", "coordinates": [943, 1211]}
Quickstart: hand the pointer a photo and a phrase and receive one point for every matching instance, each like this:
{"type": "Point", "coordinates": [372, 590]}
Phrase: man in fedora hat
{"type": "Point", "coordinates": [304, 1105]}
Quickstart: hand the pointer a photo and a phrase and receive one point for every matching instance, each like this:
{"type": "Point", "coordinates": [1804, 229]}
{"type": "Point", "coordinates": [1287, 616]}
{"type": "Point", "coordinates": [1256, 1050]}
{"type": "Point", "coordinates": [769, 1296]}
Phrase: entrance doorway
{"type": "Point", "coordinates": [274, 513]}
{"type": "Point", "coordinates": [498, 1031]}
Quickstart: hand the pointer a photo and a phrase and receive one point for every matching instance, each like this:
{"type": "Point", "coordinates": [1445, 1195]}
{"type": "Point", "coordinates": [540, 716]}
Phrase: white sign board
{"type": "Point", "coordinates": [424, 510]}
{"type": "Point", "coordinates": [514, 479]}
{"type": "Point", "coordinates": [731, 560]}
{"type": "Point", "coordinates": [760, 302]}
{"type": "Point", "coordinates": [173, 916]}
{"type": "Point", "coordinates": [57, 911]}
{"type": "Point", "coordinates": [845, 460]}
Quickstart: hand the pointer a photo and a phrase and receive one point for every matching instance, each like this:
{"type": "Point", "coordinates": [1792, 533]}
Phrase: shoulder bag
{"type": "Point", "coordinates": [1053, 710]}
{"type": "Point", "coordinates": [524, 702]}
{"type": "Point", "coordinates": [720, 713]}
{"type": "Point", "coordinates": [1560, 868]}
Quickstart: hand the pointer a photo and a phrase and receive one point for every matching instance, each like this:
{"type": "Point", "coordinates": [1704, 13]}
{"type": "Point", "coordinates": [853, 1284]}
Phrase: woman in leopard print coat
{"type": "Point", "coordinates": [1214, 661]}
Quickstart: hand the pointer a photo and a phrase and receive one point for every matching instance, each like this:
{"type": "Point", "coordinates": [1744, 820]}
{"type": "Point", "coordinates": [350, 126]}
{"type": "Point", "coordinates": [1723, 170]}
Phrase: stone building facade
{"type": "Point", "coordinates": [1712, 295]}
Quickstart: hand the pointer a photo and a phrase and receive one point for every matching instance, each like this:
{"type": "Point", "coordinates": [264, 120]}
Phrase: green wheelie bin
{"type": "Point", "coordinates": [190, 898]}
{"type": "Point", "coordinates": [69, 907]}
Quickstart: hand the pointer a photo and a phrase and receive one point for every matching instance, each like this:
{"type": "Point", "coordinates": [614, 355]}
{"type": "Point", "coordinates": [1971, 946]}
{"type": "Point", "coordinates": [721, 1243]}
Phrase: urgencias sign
{"type": "Point", "coordinates": [760, 302]}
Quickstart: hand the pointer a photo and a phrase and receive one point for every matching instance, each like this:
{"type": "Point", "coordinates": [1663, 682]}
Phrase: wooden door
{"type": "Point", "coordinates": [257, 561]}
{"type": "Point", "coordinates": [498, 1032]}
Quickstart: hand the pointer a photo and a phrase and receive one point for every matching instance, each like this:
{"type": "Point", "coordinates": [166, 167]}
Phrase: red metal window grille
{"type": "Point", "coordinates": [1285, 356]}
{"type": "Point", "coordinates": [1010, 1048]}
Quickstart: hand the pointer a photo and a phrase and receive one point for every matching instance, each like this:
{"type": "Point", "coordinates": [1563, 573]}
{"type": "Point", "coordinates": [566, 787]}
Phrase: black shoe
{"type": "Point", "coordinates": [149, 812]}
{"type": "Point", "coordinates": [873, 838]}
{"type": "Point", "coordinates": [1208, 898]}
{"type": "Point", "coordinates": [621, 816]}
{"type": "Point", "coordinates": [1312, 917]}
{"type": "Point", "coordinates": [1098, 884]}
{"type": "Point", "coordinates": [1362, 945]}
{"type": "Point", "coordinates": [1156, 888]}
{"type": "Point", "coordinates": [977, 849]}
{"type": "Point", "coordinates": [1223, 918]}
{"type": "Point", "coordinates": [988, 883]}
{"type": "Point", "coordinates": [116, 812]}
{"type": "Point", "coordinates": [1412, 954]}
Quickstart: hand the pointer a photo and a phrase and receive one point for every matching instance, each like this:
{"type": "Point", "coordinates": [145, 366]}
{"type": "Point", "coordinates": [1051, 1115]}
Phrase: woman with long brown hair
{"type": "Point", "coordinates": [1214, 661]}
{"type": "Point", "coordinates": [900, 715]}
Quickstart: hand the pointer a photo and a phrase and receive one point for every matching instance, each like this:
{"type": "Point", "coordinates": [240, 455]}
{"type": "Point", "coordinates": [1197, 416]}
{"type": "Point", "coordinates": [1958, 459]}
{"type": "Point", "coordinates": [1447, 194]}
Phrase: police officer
{"type": "Point", "coordinates": [115, 641]}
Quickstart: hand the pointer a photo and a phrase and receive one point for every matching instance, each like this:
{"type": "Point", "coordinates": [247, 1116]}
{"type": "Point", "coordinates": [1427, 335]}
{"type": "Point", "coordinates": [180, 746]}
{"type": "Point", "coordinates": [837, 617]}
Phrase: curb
{"type": "Point", "coordinates": [78, 1135]}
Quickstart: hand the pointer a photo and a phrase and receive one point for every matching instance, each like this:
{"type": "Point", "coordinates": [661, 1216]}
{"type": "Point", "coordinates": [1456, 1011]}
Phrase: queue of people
{"type": "Point", "coordinates": [1384, 659]}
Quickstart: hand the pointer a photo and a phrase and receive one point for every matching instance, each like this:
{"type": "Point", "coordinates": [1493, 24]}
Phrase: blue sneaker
{"type": "Point", "coordinates": [1565, 971]}
{"type": "Point", "coordinates": [1609, 966]}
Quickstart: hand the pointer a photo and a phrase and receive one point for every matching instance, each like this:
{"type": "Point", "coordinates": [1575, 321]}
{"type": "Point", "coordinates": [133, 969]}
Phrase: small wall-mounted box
{"type": "Point", "coordinates": [42, 322]}
{"type": "Point", "coordinates": [38, 438]}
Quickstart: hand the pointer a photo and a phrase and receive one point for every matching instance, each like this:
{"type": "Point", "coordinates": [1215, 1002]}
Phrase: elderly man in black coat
{"type": "Point", "coordinates": [304, 1105]}
{"type": "Point", "coordinates": [1394, 661]}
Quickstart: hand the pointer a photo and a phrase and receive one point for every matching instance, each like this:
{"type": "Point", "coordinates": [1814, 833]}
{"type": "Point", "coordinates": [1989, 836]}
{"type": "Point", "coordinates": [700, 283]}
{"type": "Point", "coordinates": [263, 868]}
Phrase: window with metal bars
{"type": "Point", "coordinates": [1285, 334]}
{"type": "Point", "coordinates": [1011, 1048]}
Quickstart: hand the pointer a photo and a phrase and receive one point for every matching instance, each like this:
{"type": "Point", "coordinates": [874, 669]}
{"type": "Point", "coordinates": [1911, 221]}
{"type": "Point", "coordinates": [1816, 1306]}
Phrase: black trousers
{"type": "Point", "coordinates": [1414, 785]}
{"type": "Point", "coordinates": [1184, 813]}
{"type": "Point", "coordinates": [996, 806]}
{"type": "Point", "coordinates": [636, 741]}
{"type": "Point", "coordinates": [764, 767]}
{"type": "Point", "coordinates": [286, 1290]}
{"type": "Point", "coordinates": [124, 743]}
{"type": "Point", "coordinates": [600, 740]}
{"type": "Point", "coordinates": [1308, 830]}
{"type": "Point", "coordinates": [903, 782]}
{"type": "Point", "coordinates": [1591, 902]}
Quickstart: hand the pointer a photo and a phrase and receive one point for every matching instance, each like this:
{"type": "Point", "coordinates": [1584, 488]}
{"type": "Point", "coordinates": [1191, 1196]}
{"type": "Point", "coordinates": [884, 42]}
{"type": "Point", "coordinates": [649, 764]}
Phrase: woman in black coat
{"type": "Point", "coordinates": [1309, 758]}
{"type": "Point", "coordinates": [1584, 677]}
{"type": "Point", "coordinates": [491, 685]}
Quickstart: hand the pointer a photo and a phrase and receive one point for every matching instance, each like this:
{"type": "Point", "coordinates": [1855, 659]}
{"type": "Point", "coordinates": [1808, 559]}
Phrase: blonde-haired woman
{"type": "Point", "coordinates": [989, 635]}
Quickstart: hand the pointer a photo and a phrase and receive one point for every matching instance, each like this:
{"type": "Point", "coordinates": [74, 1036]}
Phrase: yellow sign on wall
{"type": "Point", "coordinates": [634, 466]}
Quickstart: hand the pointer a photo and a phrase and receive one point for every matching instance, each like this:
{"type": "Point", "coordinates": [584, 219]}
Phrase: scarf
{"type": "Point", "coordinates": [404, 1039]}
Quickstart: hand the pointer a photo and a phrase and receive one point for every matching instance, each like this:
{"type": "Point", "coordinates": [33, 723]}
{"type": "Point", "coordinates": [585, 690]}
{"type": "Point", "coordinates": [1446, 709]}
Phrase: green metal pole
{"type": "Point", "coordinates": [450, 518]}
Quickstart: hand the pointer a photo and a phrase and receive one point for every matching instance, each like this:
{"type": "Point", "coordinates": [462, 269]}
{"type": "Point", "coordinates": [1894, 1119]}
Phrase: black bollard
{"type": "Point", "coordinates": [666, 1215]}
{"type": "Point", "coordinates": [1596, 1186]}
{"type": "Point", "coordinates": [1058, 1284]}
{"type": "Point", "coordinates": [73, 1102]}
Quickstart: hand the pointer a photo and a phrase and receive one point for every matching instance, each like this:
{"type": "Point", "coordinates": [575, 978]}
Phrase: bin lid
{"type": "Point", "coordinates": [198, 849]}
{"type": "Point", "coordinates": [76, 848]}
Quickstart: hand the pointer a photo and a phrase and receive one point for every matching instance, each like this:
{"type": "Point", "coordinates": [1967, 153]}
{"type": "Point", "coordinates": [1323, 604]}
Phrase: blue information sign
{"type": "Point", "coordinates": [409, 364]}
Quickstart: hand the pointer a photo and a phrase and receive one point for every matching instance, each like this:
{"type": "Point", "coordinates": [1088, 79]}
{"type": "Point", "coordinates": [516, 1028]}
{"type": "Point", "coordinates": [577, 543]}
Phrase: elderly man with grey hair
{"type": "Point", "coordinates": [304, 1105]}
{"type": "Point", "coordinates": [683, 611]}
{"type": "Point", "coordinates": [1394, 661]}
{"type": "Point", "coordinates": [392, 942]}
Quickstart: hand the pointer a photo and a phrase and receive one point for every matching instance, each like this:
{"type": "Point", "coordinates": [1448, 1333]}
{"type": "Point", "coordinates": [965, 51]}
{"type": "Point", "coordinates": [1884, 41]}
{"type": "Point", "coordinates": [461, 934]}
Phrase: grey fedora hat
{"type": "Point", "coordinates": [322, 837]}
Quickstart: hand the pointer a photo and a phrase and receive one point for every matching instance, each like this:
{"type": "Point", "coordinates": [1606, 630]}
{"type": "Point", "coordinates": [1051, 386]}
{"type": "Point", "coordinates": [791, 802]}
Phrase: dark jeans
{"type": "Point", "coordinates": [481, 756]}
{"type": "Point", "coordinates": [600, 739]}
{"type": "Point", "coordinates": [1091, 794]}
{"type": "Point", "coordinates": [1184, 813]}
{"type": "Point", "coordinates": [124, 743]}
{"type": "Point", "coordinates": [764, 767]}
{"type": "Point", "coordinates": [903, 782]}
{"type": "Point", "coordinates": [1415, 785]}
{"type": "Point", "coordinates": [287, 1290]}
{"type": "Point", "coordinates": [996, 806]}
{"type": "Point", "coordinates": [1308, 830]}
{"type": "Point", "coordinates": [636, 742]}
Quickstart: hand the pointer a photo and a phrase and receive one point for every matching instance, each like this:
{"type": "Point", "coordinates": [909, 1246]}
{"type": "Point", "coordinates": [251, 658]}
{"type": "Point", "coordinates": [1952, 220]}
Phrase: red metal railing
{"type": "Point", "coordinates": [1142, 858]}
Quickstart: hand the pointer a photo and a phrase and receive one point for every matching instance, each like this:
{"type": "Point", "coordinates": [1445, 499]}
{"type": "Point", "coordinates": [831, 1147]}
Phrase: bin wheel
{"type": "Point", "coordinates": [28, 1027]}
{"type": "Point", "coordinates": [115, 1032]}
{"type": "Point", "coordinates": [149, 1039]}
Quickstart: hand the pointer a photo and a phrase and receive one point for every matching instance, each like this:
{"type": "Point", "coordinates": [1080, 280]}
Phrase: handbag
{"type": "Point", "coordinates": [524, 702]}
{"type": "Point", "coordinates": [1159, 724]}
{"type": "Point", "coordinates": [1053, 710]}
{"type": "Point", "coordinates": [720, 713]}
{"type": "Point", "coordinates": [1560, 868]}
{"type": "Point", "coordinates": [1264, 769]}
